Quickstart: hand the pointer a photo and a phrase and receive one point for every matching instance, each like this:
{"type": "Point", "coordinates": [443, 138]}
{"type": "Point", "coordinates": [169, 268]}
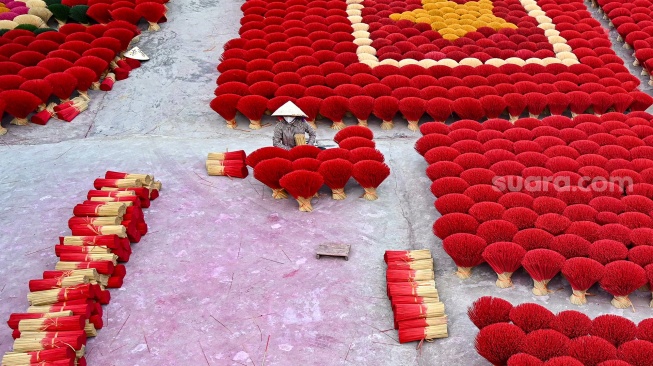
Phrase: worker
{"type": "Point", "coordinates": [292, 128]}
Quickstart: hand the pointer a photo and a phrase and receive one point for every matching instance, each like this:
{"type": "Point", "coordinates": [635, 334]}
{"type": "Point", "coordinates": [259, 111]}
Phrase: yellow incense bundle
{"type": "Point", "coordinates": [300, 139]}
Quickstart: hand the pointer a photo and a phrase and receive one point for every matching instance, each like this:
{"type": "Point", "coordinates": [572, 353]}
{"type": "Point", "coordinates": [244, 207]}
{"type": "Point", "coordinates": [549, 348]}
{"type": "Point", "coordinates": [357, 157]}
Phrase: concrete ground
{"type": "Point", "coordinates": [227, 275]}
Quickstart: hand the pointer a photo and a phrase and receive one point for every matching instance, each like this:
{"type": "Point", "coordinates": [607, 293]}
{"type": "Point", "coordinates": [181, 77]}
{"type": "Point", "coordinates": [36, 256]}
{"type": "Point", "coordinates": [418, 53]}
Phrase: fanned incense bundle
{"type": "Point", "coordinates": [370, 174]}
{"type": "Point", "coordinates": [270, 171]}
{"type": "Point", "coordinates": [336, 174]}
{"type": "Point", "coordinates": [302, 185]}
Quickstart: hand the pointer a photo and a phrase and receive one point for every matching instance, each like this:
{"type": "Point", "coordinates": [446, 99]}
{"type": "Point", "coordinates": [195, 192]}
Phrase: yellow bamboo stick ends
{"type": "Point", "coordinates": [578, 297]}
{"type": "Point", "coordinates": [387, 125]}
{"type": "Point", "coordinates": [279, 194]}
{"type": "Point", "coordinates": [305, 204]}
{"type": "Point", "coordinates": [413, 125]}
{"type": "Point", "coordinates": [300, 139]}
{"type": "Point", "coordinates": [338, 126]}
{"type": "Point", "coordinates": [338, 194]}
{"type": "Point", "coordinates": [370, 194]}
{"type": "Point", "coordinates": [464, 272]}
{"type": "Point", "coordinates": [621, 302]}
{"type": "Point", "coordinates": [504, 280]}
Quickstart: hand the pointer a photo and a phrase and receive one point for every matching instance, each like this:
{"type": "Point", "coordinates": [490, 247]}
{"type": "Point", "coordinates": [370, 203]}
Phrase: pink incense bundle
{"type": "Point", "coordinates": [370, 174]}
{"type": "Point", "coordinates": [406, 255]}
{"type": "Point", "coordinates": [399, 275]}
{"type": "Point", "coordinates": [489, 310]}
{"type": "Point", "coordinates": [504, 258]}
{"type": "Point", "coordinates": [542, 265]}
{"type": "Point", "coordinates": [422, 333]}
{"type": "Point", "coordinates": [466, 250]}
{"type": "Point", "coordinates": [336, 174]}
{"type": "Point", "coordinates": [302, 185]}
{"type": "Point", "coordinates": [65, 323]}
{"type": "Point", "coordinates": [581, 273]}
{"type": "Point", "coordinates": [270, 171]}
{"type": "Point", "coordinates": [620, 279]}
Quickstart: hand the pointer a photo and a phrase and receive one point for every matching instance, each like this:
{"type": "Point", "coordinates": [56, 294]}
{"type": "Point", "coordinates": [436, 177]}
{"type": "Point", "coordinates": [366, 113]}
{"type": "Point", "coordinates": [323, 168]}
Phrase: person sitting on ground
{"type": "Point", "coordinates": [292, 128]}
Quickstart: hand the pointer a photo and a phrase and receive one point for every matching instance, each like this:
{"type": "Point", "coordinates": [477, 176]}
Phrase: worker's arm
{"type": "Point", "coordinates": [277, 140]}
{"type": "Point", "coordinates": [312, 136]}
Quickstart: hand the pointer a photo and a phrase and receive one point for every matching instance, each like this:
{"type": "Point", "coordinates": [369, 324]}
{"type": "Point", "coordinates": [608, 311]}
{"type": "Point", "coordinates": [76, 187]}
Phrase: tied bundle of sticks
{"type": "Point", "coordinates": [230, 164]}
{"type": "Point", "coordinates": [66, 304]}
{"type": "Point", "coordinates": [418, 313]}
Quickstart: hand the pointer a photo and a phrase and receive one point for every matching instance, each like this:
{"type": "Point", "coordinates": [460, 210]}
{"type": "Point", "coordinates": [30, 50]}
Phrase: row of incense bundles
{"type": "Point", "coordinates": [418, 313]}
{"type": "Point", "coordinates": [65, 306]}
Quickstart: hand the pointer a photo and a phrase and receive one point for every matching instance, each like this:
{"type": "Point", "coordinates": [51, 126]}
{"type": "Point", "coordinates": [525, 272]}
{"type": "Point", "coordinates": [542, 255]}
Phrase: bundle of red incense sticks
{"type": "Point", "coordinates": [418, 312]}
{"type": "Point", "coordinates": [65, 306]}
{"type": "Point", "coordinates": [230, 164]}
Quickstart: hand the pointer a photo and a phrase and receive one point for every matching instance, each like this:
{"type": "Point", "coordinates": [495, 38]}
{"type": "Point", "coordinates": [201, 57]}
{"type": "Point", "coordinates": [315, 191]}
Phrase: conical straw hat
{"type": "Point", "coordinates": [136, 54]}
{"type": "Point", "coordinates": [289, 109]}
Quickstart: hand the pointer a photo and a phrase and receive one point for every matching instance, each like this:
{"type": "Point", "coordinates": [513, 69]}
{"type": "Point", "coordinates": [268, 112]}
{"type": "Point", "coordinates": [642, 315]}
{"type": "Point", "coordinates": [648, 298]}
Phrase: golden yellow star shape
{"type": "Point", "coordinates": [453, 20]}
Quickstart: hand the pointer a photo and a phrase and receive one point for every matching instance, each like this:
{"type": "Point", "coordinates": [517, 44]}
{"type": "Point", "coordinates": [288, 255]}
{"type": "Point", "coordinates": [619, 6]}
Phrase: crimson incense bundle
{"type": "Point", "coordinates": [504, 258]}
{"type": "Point", "coordinates": [581, 273]}
{"type": "Point", "coordinates": [370, 174]}
{"type": "Point", "coordinates": [542, 265]}
{"type": "Point", "coordinates": [270, 171]}
{"type": "Point", "coordinates": [302, 185]}
{"type": "Point", "coordinates": [620, 279]}
{"type": "Point", "coordinates": [336, 174]}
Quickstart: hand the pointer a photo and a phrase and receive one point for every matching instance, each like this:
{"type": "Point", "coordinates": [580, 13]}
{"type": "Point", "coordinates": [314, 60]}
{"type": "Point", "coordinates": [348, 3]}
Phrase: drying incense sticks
{"type": "Point", "coordinates": [418, 312]}
{"type": "Point", "coordinates": [229, 164]}
{"type": "Point", "coordinates": [65, 305]}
